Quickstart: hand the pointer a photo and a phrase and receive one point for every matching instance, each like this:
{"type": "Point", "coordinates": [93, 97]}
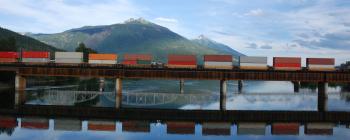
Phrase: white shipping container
{"type": "Point", "coordinates": [102, 61]}
{"type": "Point", "coordinates": [320, 125]}
{"type": "Point", "coordinates": [253, 64]}
{"type": "Point", "coordinates": [216, 125]}
{"type": "Point", "coordinates": [253, 59]}
{"type": "Point", "coordinates": [68, 60]}
{"type": "Point", "coordinates": [211, 63]}
{"type": "Point", "coordinates": [36, 60]}
{"type": "Point", "coordinates": [69, 55]}
{"type": "Point", "coordinates": [67, 124]}
{"type": "Point", "coordinates": [251, 125]}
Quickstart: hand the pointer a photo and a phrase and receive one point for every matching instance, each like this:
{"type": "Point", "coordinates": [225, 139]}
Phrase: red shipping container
{"type": "Point", "coordinates": [129, 62]}
{"type": "Point", "coordinates": [147, 57]}
{"type": "Point", "coordinates": [287, 60]}
{"type": "Point", "coordinates": [182, 63]}
{"type": "Point", "coordinates": [35, 54]}
{"type": "Point", "coordinates": [320, 61]}
{"type": "Point", "coordinates": [101, 127]}
{"type": "Point", "coordinates": [285, 128]}
{"type": "Point", "coordinates": [8, 122]}
{"type": "Point", "coordinates": [297, 65]}
{"type": "Point", "coordinates": [8, 55]}
{"type": "Point", "coordinates": [218, 58]}
{"type": "Point", "coordinates": [182, 58]}
{"type": "Point", "coordinates": [35, 125]}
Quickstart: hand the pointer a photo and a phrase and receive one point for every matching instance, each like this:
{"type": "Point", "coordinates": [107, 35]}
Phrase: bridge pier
{"type": "Point", "coordinates": [118, 92]}
{"type": "Point", "coordinates": [101, 84]}
{"type": "Point", "coordinates": [240, 86]}
{"type": "Point", "coordinates": [182, 84]}
{"type": "Point", "coordinates": [223, 92]}
{"type": "Point", "coordinates": [296, 86]}
{"type": "Point", "coordinates": [322, 96]}
{"type": "Point", "coordinates": [20, 83]}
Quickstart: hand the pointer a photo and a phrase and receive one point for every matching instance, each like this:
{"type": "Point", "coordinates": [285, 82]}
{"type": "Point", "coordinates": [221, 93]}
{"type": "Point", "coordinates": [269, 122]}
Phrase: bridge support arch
{"type": "Point", "coordinates": [296, 86]}
{"type": "Point", "coordinates": [322, 96]}
{"type": "Point", "coordinates": [223, 92]}
{"type": "Point", "coordinates": [182, 85]}
{"type": "Point", "coordinates": [118, 93]}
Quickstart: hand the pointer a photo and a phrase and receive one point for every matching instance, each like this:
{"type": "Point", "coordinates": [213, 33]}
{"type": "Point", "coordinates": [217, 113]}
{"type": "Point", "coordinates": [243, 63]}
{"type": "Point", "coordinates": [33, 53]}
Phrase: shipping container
{"type": "Point", "coordinates": [216, 128]}
{"type": "Point", "coordinates": [102, 61]}
{"type": "Point", "coordinates": [287, 60]}
{"type": "Point", "coordinates": [101, 125]}
{"type": "Point", "coordinates": [320, 61]}
{"type": "Point", "coordinates": [35, 54]}
{"type": "Point", "coordinates": [253, 59]}
{"type": "Point", "coordinates": [8, 122]}
{"type": "Point", "coordinates": [182, 63]}
{"type": "Point", "coordinates": [319, 129]}
{"type": "Point", "coordinates": [250, 128]}
{"type": "Point", "coordinates": [69, 60]}
{"type": "Point", "coordinates": [218, 58]}
{"type": "Point", "coordinates": [178, 58]}
{"type": "Point", "coordinates": [103, 57]}
{"type": "Point", "coordinates": [285, 128]}
{"type": "Point", "coordinates": [67, 124]}
{"type": "Point", "coordinates": [7, 60]}
{"type": "Point", "coordinates": [136, 126]}
{"type": "Point", "coordinates": [69, 55]}
{"type": "Point", "coordinates": [9, 55]}
{"type": "Point", "coordinates": [129, 62]}
{"type": "Point", "coordinates": [138, 57]}
{"type": "Point", "coordinates": [217, 65]}
{"type": "Point", "coordinates": [36, 60]}
{"type": "Point", "coordinates": [35, 123]}
{"type": "Point", "coordinates": [312, 67]}
{"type": "Point", "coordinates": [180, 127]}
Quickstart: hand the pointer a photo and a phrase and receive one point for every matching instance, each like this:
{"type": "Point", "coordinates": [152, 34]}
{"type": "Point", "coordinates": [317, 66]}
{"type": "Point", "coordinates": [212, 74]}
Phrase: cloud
{"type": "Point", "coordinates": [252, 46]}
{"type": "Point", "coordinates": [162, 19]}
{"type": "Point", "coordinates": [266, 47]}
{"type": "Point", "coordinates": [337, 40]}
{"type": "Point", "coordinates": [255, 13]}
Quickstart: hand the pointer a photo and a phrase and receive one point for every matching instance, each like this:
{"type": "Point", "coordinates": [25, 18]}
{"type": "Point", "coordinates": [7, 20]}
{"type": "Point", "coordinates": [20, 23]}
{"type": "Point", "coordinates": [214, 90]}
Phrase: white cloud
{"type": "Point", "coordinates": [255, 13]}
{"type": "Point", "coordinates": [163, 19]}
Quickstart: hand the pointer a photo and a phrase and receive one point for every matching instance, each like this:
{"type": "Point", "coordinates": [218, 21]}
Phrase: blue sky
{"type": "Point", "coordinates": [306, 28]}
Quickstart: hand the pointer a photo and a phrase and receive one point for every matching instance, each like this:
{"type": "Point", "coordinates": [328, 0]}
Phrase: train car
{"type": "Point", "coordinates": [103, 59]}
{"type": "Point", "coordinates": [137, 60]}
{"type": "Point", "coordinates": [287, 63]}
{"type": "Point", "coordinates": [320, 64]}
{"type": "Point", "coordinates": [253, 63]}
{"type": "Point", "coordinates": [218, 62]}
{"type": "Point", "coordinates": [68, 58]}
{"type": "Point", "coordinates": [35, 57]}
{"type": "Point", "coordinates": [182, 61]}
{"type": "Point", "coordinates": [9, 57]}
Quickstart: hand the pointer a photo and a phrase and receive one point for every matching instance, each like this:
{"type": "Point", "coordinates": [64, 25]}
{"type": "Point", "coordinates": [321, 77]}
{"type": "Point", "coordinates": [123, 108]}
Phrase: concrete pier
{"type": "Point", "coordinates": [20, 83]}
{"type": "Point", "coordinates": [182, 84]}
{"type": "Point", "coordinates": [223, 92]}
{"type": "Point", "coordinates": [296, 86]}
{"type": "Point", "coordinates": [240, 86]}
{"type": "Point", "coordinates": [118, 91]}
{"type": "Point", "coordinates": [322, 96]}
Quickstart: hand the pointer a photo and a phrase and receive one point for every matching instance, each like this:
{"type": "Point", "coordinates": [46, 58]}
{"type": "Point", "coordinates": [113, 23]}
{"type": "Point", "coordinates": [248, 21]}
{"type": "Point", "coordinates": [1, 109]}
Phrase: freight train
{"type": "Point", "coordinates": [224, 62]}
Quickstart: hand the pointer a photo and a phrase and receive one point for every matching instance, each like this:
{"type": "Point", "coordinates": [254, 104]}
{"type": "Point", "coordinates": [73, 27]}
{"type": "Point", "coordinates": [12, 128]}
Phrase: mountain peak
{"type": "Point", "coordinates": [202, 37]}
{"type": "Point", "coordinates": [137, 21]}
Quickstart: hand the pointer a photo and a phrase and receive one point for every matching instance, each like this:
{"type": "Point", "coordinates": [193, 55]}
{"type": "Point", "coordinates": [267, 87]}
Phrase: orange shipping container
{"type": "Point", "coordinates": [103, 56]}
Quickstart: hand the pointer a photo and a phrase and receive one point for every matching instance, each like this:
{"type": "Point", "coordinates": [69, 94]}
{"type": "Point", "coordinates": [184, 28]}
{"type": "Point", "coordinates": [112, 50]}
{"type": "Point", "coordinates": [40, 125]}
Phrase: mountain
{"type": "Point", "coordinates": [12, 41]}
{"type": "Point", "coordinates": [132, 36]}
{"type": "Point", "coordinates": [221, 48]}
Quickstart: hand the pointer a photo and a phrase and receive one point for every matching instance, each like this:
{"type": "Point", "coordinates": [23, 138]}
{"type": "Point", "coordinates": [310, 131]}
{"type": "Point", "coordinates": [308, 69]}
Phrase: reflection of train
{"type": "Point", "coordinates": [174, 61]}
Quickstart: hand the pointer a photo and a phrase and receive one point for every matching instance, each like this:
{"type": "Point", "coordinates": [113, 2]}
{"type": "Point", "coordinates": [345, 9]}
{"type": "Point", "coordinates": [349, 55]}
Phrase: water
{"type": "Point", "coordinates": [164, 94]}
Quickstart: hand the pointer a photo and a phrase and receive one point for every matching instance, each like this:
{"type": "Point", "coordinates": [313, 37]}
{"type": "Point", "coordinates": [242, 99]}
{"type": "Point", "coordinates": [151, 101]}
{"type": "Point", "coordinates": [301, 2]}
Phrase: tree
{"type": "Point", "coordinates": [86, 51]}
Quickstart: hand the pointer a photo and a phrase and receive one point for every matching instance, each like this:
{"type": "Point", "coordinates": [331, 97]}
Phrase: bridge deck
{"type": "Point", "coordinates": [164, 73]}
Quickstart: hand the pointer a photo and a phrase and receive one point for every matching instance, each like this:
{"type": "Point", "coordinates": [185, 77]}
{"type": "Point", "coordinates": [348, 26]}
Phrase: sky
{"type": "Point", "coordinates": [305, 28]}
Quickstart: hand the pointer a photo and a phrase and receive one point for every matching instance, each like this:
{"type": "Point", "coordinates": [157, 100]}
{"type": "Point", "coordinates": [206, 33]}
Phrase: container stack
{"type": "Point", "coordinates": [8, 122]}
{"type": "Point", "coordinates": [35, 123]}
{"type": "Point", "coordinates": [8, 57]}
{"type": "Point", "coordinates": [36, 57]}
{"type": "Point", "coordinates": [101, 125]}
{"type": "Point", "coordinates": [285, 129]}
{"type": "Point", "coordinates": [320, 64]}
{"type": "Point", "coordinates": [218, 61]}
{"type": "Point", "coordinates": [69, 57]}
{"type": "Point", "coordinates": [103, 59]}
{"type": "Point", "coordinates": [251, 128]}
{"type": "Point", "coordinates": [66, 124]}
{"type": "Point", "coordinates": [180, 127]}
{"type": "Point", "coordinates": [137, 59]}
{"type": "Point", "coordinates": [319, 129]}
{"type": "Point", "coordinates": [182, 61]}
{"type": "Point", "coordinates": [216, 128]}
{"type": "Point", "coordinates": [253, 63]}
{"type": "Point", "coordinates": [135, 126]}
{"type": "Point", "coordinates": [287, 63]}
